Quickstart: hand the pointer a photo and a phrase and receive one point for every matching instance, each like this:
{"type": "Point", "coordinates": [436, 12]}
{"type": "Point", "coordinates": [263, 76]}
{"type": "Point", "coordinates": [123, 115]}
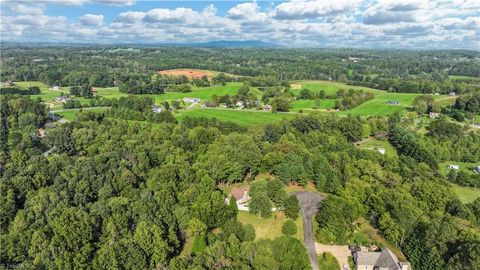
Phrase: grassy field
{"type": "Point", "coordinates": [307, 105]}
{"type": "Point", "coordinates": [376, 106]}
{"type": "Point", "coordinates": [330, 88]}
{"type": "Point", "coordinates": [46, 94]}
{"type": "Point", "coordinates": [71, 114]}
{"type": "Point", "coordinates": [326, 261]}
{"type": "Point", "coordinates": [376, 143]}
{"type": "Point", "coordinates": [466, 194]}
{"type": "Point", "coordinates": [204, 93]}
{"type": "Point", "coordinates": [240, 117]}
{"type": "Point", "coordinates": [464, 166]}
{"type": "Point", "coordinates": [109, 92]}
{"type": "Point", "coordinates": [269, 228]}
{"type": "Point", "coordinates": [462, 78]}
{"type": "Point", "coordinates": [379, 106]}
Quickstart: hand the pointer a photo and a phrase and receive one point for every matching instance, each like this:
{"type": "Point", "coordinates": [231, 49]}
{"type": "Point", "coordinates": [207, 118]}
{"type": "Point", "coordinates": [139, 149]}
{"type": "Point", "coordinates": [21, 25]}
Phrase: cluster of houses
{"type": "Point", "coordinates": [62, 99]}
{"type": "Point", "coordinates": [191, 100]}
{"type": "Point", "coordinates": [382, 260]}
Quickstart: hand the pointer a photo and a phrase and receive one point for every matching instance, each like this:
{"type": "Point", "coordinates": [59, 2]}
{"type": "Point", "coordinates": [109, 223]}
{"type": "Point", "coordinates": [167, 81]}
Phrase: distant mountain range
{"type": "Point", "coordinates": [208, 44]}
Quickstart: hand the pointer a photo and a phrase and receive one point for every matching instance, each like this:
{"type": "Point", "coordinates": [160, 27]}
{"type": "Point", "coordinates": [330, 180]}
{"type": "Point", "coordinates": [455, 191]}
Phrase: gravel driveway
{"type": "Point", "coordinates": [309, 205]}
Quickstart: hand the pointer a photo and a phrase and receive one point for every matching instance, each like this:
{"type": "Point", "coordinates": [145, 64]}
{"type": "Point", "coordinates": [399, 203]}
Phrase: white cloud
{"type": "Point", "coordinates": [394, 11]}
{"type": "Point", "coordinates": [91, 20]}
{"type": "Point", "coordinates": [28, 9]}
{"type": "Point", "coordinates": [178, 15]}
{"type": "Point", "coordinates": [243, 11]}
{"type": "Point", "coordinates": [130, 17]}
{"type": "Point", "coordinates": [301, 9]}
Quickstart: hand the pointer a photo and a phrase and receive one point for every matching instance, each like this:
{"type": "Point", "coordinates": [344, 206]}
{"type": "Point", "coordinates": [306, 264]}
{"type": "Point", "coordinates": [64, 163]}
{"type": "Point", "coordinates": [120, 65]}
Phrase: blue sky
{"type": "Point", "coordinates": [406, 24]}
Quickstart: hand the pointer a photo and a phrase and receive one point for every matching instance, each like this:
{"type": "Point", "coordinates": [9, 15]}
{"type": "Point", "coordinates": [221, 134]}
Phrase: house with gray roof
{"type": "Point", "coordinates": [383, 260]}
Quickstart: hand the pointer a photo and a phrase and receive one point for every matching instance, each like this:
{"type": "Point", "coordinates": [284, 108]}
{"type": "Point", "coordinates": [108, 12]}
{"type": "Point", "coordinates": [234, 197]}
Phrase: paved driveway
{"type": "Point", "coordinates": [309, 205]}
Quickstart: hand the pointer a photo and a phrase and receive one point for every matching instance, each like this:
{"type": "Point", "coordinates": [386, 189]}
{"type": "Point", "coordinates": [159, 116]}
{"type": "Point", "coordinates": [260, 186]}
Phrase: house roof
{"type": "Point", "coordinates": [238, 192]}
{"type": "Point", "coordinates": [384, 259]}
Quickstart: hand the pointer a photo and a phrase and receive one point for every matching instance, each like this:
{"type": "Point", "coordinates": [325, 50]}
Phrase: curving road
{"type": "Point", "coordinates": [309, 205]}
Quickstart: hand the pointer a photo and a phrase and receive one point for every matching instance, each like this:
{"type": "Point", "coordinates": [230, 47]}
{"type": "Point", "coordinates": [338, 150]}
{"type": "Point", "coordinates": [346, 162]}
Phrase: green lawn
{"type": "Point", "coordinates": [71, 114]}
{"type": "Point", "coordinates": [376, 143]}
{"type": "Point", "coordinates": [269, 228]}
{"type": "Point", "coordinates": [464, 166]}
{"type": "Point", "coordinates": [240, 117]}
{"type": "Point", "coordinates": [379, 106]}
{"type": "Point", "coordinates": [462, 78]}
{"type": "Point", "coordinates": [331, 88]}
{"type": "Point", "coordinates": [205, 93]}
{"type": "Point", "coordinates": [376, 106]}
{"type": "Point", "coordinates": [307, 105]}
{"type": "Point", "coordinates": [326, 261]}
{"type": "Point", "coordinates": [466, 194]}
{"type": "Point", "coordinates": [46, 94]}
{"type": "Point", "coordinates": [109, 92]}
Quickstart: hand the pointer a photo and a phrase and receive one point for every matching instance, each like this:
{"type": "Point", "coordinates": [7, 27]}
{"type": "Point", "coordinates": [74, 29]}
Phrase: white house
{"type": "Point", "coordinates": [62, 99]}
{"type": "Point", "coordinates": [452, 94]}
{"type": "Point", "coordinates": [267, 107]}
{"type": "Point", "coordinates": [55, 87]}
{"type": "Point", "coordinates": [156, 109]}
{"type": "Point", "coordinates": [434, 115]}
{"type": "Point", "coordinates": [453, 167]}
{"type": "Point", "coordinates": [381, 150]}
{"type": "Point", "coordinates": [239, 104]}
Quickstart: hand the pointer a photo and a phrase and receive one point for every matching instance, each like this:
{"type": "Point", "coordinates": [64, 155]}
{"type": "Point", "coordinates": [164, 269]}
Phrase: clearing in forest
{"type": "Point", "coordinates": [192, 73]}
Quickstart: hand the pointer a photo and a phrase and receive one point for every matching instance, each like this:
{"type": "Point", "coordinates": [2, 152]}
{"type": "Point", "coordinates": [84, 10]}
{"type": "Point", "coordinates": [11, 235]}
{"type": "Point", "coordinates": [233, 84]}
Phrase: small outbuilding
{"type": "Point", "coordinates": [476, 170]}
{"type": "Point", "coordinates": [433, 115]}
{"type": "Point", "coordinates": [156, 109]}
{"type": "Point", "coordinates": [453, 167]}
{"type": "Point", "coordinates": [393, 102]}
{"type": "Point", "coordinates": [191, 100]}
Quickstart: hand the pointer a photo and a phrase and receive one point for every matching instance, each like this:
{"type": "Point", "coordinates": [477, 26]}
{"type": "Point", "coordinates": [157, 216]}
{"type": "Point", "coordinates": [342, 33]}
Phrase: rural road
{"type": "Point", "coordinates": [309, 203]}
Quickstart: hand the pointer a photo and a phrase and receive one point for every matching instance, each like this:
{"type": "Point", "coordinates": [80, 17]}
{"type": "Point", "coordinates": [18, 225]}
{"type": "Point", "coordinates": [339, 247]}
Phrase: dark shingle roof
{"type": "Point", "coordinates": [384, 259]}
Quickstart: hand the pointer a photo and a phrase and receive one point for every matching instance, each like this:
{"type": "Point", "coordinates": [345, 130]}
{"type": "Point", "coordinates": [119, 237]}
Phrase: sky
{"type": "Point", "coordinates": [393, 24]}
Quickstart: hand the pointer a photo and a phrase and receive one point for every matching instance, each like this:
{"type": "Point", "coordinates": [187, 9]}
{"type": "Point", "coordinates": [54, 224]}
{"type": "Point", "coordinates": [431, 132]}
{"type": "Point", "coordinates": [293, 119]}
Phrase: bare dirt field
{"type": "Point", "coordinates": [296, 86]}
{"type": "Point", "coordinates": [191, 73]}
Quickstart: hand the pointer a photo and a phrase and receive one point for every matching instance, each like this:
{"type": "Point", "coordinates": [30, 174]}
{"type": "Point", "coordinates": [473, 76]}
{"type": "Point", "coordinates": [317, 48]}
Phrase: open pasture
{"type": "Point", "coordinates": [307, 105]}
{"type": "Point", "coordinates": [72, 113]}
{"type": "Point", "coordinates": [240, 117]}
{"type": "Point", "coordinates": [330, 87]}
{"type": "Point", "coordinates": [378, 105]}
{"type": "Point", "coordinates": [204, 93]}
{"type": "Point", "coordinates": [466, 194]}
{"type": "Point", "coordinates": [46, 94]}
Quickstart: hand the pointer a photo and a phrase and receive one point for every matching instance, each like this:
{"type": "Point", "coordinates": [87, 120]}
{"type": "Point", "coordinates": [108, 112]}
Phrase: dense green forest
{"type": "Point", "coordinates": [106, 192]}
{"type": "Point", "coordinates": [396, 71]}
